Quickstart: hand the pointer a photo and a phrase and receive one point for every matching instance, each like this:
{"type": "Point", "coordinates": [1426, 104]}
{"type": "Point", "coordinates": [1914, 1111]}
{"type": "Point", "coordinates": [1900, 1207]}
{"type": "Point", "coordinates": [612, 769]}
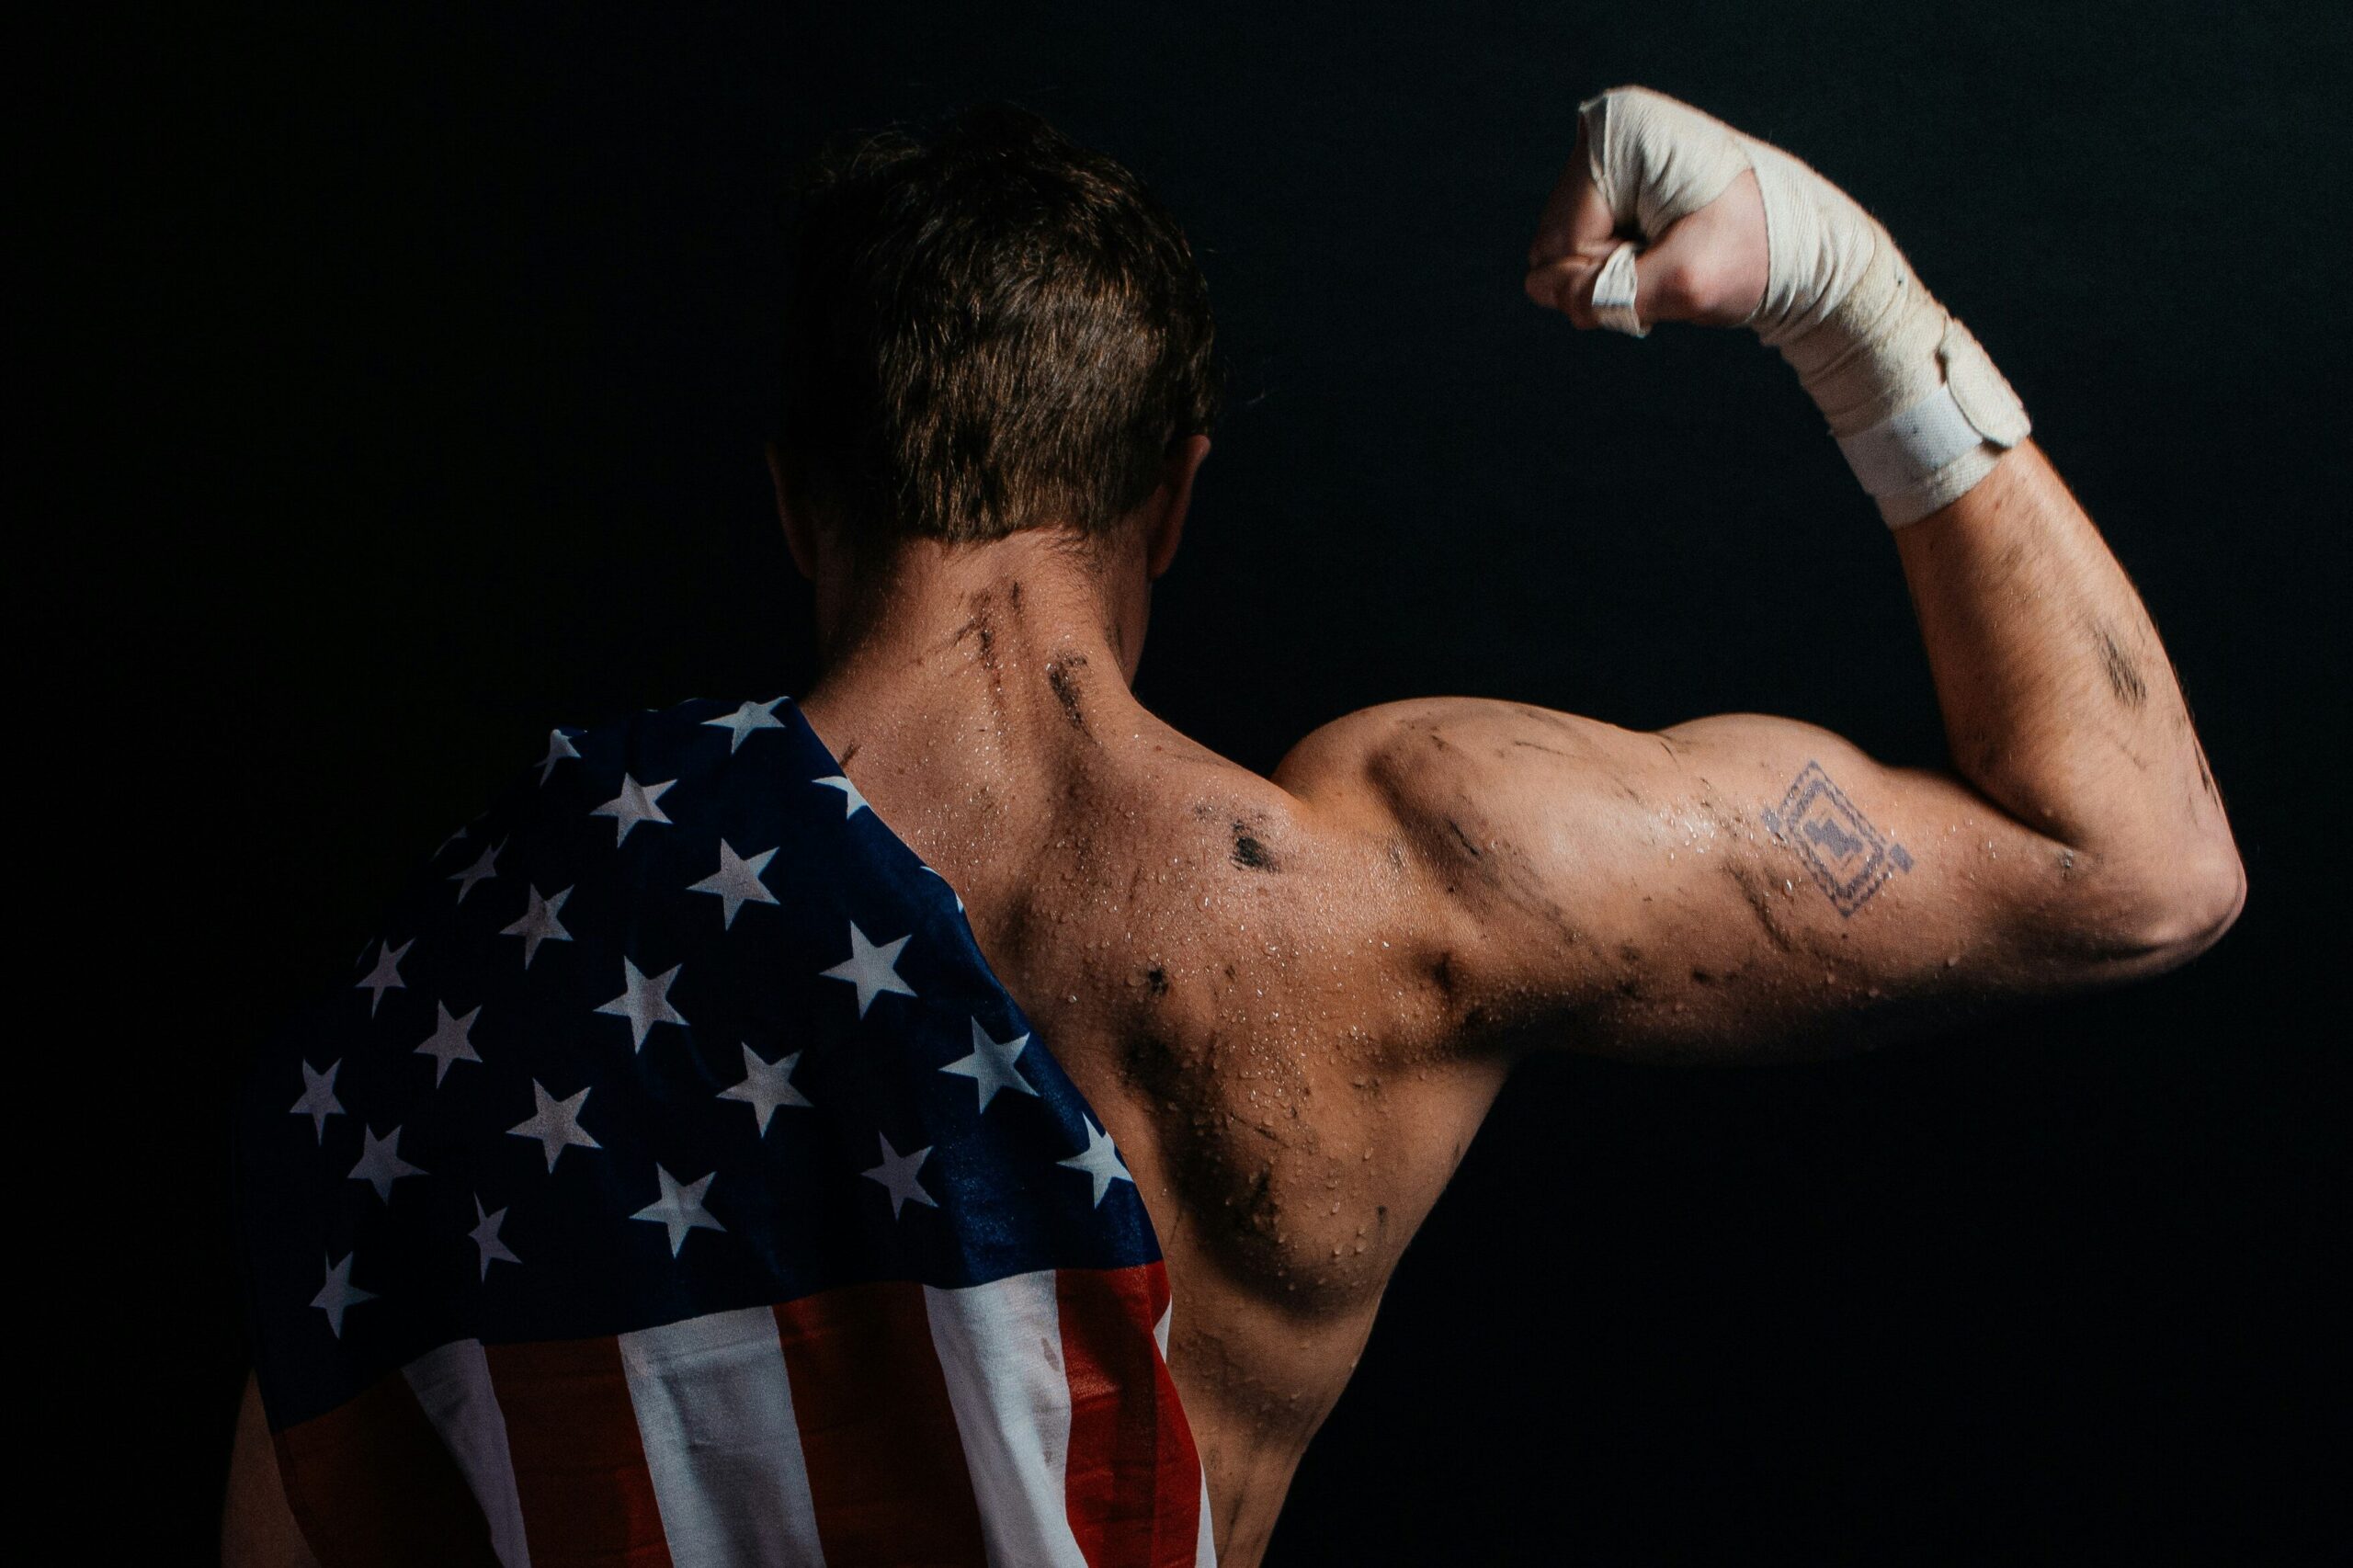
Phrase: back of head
{"type": "Point", "coordinates": [990, 329]}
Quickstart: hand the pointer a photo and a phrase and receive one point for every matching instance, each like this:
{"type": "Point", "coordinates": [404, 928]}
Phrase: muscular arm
{"type": "Point", "coordinates": [1742, 883]}
{"type": "Point", "coordinates": [2059, 702]}
{"type": "Point", "coordinates": [1745, 884]}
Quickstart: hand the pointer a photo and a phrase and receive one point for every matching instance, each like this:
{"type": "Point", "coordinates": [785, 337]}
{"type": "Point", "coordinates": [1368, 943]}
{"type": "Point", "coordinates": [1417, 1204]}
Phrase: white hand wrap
{"type": "Point", "coordinates": [1613, 293]}
{"type": "Point", "coordinates": [1919, 409]}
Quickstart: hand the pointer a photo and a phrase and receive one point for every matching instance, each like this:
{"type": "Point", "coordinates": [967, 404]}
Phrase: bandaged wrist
{"type": "Point", "coordinates": [1934, 451]}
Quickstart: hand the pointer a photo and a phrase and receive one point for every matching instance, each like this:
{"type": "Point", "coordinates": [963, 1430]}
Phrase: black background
{"type": "Point", "coordinates": [400, 395]}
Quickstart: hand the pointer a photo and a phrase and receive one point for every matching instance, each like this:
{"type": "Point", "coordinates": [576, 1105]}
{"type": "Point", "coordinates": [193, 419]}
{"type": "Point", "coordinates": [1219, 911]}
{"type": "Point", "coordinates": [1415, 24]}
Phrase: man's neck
{"type": "Point", "coordinates": [1005, 657]}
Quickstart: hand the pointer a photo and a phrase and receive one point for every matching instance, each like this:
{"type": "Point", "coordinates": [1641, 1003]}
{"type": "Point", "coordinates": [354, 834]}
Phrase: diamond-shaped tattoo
{"type": "Point", "coordinates": [1843, 853]}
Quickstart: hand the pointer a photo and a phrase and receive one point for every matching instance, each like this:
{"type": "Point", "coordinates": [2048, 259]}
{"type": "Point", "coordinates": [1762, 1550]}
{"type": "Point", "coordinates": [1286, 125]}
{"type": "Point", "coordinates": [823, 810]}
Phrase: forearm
{"type": "Point", "coordinates": [2059, 700]}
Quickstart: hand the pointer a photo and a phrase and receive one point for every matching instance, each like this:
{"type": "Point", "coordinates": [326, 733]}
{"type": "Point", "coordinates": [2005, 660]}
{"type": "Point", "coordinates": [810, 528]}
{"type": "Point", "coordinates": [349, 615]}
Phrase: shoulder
{"type": "Point", "coordinates": [659, 749]}
{"type": "Point", "coordinates": [1462, 825]}
{"type": "Point", "coordinates": [699, 733]}
{"type": "Point", "coordinates": [1420, 764]}
{"type": "Point", "coordinates": [614, 784]}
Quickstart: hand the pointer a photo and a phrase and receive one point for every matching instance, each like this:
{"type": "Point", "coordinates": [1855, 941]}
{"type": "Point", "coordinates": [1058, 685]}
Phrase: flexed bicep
{"type": "Point", "coordinates": [1727, 889]}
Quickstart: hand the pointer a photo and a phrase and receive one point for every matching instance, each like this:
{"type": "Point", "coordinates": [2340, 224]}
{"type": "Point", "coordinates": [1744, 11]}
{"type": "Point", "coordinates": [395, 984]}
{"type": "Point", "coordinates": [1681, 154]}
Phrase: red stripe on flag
{"type": "Point", "coordinates": [579, 1464]}
{"type": "Point", "coordinates": [886, 1467]}
{"type": "Point", "coordinates": [372, 1485]}
{"type": "Point", "coordinates": [1133, 1484]}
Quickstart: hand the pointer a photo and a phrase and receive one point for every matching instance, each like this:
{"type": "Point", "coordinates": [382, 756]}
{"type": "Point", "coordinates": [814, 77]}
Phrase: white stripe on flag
{"type": "Point", "coordinates": [452, 1385]}
{"type": "Point", "coordinates": [1001, 1349]}
{"type": "Point", "coordinates": [1205, 1535]}
{"type": "Point", "coordinates": [714, 1408]}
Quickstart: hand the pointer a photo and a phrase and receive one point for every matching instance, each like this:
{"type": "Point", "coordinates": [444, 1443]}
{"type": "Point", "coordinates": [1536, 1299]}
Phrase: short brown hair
{"type": "Point", "coordinates": [991, 330]}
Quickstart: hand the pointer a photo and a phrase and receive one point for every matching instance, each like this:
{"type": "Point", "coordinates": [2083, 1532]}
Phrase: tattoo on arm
{"type": "Point", "coordinates": [1843, 854]}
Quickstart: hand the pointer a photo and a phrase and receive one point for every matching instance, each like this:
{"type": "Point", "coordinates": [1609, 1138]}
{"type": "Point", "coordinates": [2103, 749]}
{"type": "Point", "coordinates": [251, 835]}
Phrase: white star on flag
{"type": "Point", "coordinates": [766, 1086]}
{"type": "Point", "coordinates": [485, 1236]}
{"type": "Point", "coordinates": [555, 1123]}
{"type": "Point", "coordinates": [744, 720]}
{"type": "Point", "coordinates": [485, 868]}
{"type": "Point", "coordinates": [539, 923]}
{"type": "Point", "coordinates": [381, 1164]}
{"type": "Point", "coordinates": [386, 975]}
{"type": "Point", "coordinates": [318, 1101]}
{"type": "Point", "coordinates": [634, 804]}
{"type": "Point", "coordinates": [679, 1207]}
{"type": "Point", "coordinates": [644, 1002]}
{"type": "Point", "coordinates": [559, 748]}
{"type": "Point", "coordinates": [448, 1043]}
{"type": "Point", "coordinates": [1101, 1162]}
{"type": "Point", "coordinates": [897, 1175]}
{"type": "Point", "coordinates": [852, 802]}
{"type": "Point", "coordinates": [951, 890]}
{"type": "Point", "coordinates": [872, 968]}
{"type": "Point", "coordinates": [990, 1065]}
{"type": "Point", "coordinates": [339, 1293]}
{"type": "Point", "coordinates": [737, 881]}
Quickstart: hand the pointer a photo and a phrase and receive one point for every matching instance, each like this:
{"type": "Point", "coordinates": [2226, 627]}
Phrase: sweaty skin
{"type": "Point", "coordinates": [1292, 999]}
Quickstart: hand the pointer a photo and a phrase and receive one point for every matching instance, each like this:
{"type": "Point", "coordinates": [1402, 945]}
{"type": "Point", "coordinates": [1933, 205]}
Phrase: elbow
{"type": "Point", "coordinates": [2190, 916]}
{"type": "Point", "coordinates": [2130, 927]}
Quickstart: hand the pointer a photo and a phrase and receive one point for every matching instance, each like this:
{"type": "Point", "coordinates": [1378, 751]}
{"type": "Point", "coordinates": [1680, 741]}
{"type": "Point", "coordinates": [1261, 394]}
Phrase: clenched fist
{"type": "Point", "coordinates": [1665, 213]}
{"type": "Point", "coordinates": [1705, 258]}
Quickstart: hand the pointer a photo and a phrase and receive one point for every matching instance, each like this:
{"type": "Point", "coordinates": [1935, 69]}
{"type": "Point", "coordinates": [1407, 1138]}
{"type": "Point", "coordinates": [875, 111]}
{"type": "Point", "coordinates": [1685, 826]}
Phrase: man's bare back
{"type": "Point", "coordinates": [1240, 985]}
{"type": "Point", "coordinates": [1292, 1000]}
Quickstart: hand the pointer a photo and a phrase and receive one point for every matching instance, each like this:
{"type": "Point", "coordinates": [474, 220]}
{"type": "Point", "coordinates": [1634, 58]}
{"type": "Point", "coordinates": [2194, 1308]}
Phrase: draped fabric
{"type": "Point", "coordinates": [675, 1184]}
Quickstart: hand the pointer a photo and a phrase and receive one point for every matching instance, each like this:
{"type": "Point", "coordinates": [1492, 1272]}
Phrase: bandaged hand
{"type": "Point", "coordinates": [1665, 213]}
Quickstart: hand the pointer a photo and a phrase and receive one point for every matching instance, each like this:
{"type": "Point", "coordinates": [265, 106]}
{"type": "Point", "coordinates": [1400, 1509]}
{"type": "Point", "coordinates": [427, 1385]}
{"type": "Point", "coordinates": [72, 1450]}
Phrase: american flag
{"type": "Point", "coordinates": [677, 1185]}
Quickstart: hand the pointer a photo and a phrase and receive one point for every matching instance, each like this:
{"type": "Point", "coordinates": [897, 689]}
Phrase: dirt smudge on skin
{"type": "Point", "coordinates": [1464, 838]}
{"type": "Point", "coordinates": [1249, 853]}
{"type": "Point", "coordinates": [980, 625]}
{"type": "Point", "coordinates": [1753, 892]}
{"type": "Point", "coordinates": [2123, 675]}
{"type": "Point", "coordinates": [1065, 687]}
{"type": "Point", "coordinates": [1259, 1212]}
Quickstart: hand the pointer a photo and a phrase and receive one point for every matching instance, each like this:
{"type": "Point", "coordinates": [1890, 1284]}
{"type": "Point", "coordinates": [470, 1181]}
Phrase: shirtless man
{"type": "Point", "coordinates": [1292, 999]}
